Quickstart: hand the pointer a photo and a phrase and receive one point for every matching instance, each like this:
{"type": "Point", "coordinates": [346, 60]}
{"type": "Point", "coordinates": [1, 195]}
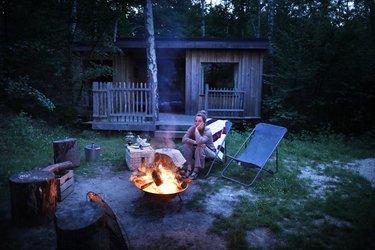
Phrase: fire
{"type": "Point", "coordinates": [162, 177]}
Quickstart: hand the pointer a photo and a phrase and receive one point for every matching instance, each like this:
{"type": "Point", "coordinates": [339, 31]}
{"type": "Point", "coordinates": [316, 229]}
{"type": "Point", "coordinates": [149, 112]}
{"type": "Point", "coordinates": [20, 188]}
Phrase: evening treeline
{"type": "Point", "coordinates": [318, 73]}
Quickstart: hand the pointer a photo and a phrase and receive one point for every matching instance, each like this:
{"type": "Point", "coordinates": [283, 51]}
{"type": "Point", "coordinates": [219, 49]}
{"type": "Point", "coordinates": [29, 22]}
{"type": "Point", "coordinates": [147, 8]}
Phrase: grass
{"type": "Point", "coordinates": [336, 213]}
{"type": "Point", "coordinates": [339, 217]}
{"type": "Point", "coordinates": [28, 144]}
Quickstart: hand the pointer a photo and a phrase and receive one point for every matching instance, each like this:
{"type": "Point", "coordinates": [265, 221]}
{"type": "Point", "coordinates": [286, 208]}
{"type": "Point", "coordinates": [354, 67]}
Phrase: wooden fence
{"type": "Point", "coordinates": [224, 102]}
{"type": "Point", "coordinates": [124, 106]}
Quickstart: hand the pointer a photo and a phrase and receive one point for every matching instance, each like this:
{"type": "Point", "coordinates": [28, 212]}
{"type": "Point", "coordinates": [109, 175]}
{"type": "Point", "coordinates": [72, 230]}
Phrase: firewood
{"type": "Point", "coordinates": [33, 197]}
{"type": "Point", "coordinates": [146, 185]}
{"type": "Point", "coordinates": [58, 167]}
{"type": "Point", "coordinates": [156, 177]}
{"type": "Point", "coordinates": [67, 150]}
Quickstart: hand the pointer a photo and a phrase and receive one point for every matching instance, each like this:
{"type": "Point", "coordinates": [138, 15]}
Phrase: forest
{"type": "Point", "coordinates": [319, 70]}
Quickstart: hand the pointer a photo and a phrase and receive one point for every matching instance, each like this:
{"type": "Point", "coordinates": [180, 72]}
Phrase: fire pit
{"type": "Point", "coordinates": [161, 178]}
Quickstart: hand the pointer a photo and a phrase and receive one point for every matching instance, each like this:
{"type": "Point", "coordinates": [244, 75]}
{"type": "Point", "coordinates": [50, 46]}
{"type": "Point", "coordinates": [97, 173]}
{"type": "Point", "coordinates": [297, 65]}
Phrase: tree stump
{"type": "Point", "coordinates": [33, 197]}
{"type": "Point", "coordinates": [81, 227]}
{"type": "Point", "coordinates": [67, 150]}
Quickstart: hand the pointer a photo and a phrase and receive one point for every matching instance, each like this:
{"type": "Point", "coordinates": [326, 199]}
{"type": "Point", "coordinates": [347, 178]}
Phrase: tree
{"type": "Point", "coordinates": [152, 70]}
{"type": "Point", "coordinates": [203, 25]}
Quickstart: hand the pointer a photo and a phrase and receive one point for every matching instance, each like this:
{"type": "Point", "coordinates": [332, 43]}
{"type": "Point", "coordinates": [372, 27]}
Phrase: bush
{"type": "Point", "coordinates": [21, 96]}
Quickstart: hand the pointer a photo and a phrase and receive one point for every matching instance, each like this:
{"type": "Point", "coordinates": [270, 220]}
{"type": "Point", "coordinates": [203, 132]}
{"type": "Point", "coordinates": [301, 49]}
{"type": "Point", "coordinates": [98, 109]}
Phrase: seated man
{"type": "Point", "coordinates": [197, 144]}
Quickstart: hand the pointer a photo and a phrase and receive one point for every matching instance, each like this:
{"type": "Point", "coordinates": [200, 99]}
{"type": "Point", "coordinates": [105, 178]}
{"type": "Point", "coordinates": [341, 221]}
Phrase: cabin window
{"type": "Point", "coordinates": [219, 75]}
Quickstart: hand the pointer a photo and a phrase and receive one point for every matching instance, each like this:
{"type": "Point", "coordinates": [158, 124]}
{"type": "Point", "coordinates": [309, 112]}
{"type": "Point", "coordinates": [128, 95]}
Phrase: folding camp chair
{"type": "Point", "coordinates": [219, 129]}
{"type": "Point", "coordinates": [257, 149]}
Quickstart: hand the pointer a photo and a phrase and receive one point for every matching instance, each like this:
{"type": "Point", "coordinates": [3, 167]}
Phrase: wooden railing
{"type": "Point", "coordinates": [224, 102]}
{"type": "Point", "coordinates": [126, 103]}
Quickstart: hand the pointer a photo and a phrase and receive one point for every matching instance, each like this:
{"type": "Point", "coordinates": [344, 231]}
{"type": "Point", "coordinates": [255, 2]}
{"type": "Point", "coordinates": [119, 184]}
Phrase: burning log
{"type": "Point", "coordinates": [147, 185]}
{"type": "Point", "coordinates": [156, 177]}
{"type": "Point", "coordinates": [33, 197]}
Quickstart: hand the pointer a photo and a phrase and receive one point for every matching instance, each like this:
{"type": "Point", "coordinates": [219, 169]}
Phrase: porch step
{"type": "Point", "coordinates": [170, 134]}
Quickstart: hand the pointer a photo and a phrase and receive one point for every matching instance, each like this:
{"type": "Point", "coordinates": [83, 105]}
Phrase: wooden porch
{"type": "Point", "coordinates": [173, 125]}
{"type": "Point", "coordinates": [131, 107]}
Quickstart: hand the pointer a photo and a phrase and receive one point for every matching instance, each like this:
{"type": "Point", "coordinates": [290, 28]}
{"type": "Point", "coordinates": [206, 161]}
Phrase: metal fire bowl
{"type": "Point", "coordinates": [159, 196]}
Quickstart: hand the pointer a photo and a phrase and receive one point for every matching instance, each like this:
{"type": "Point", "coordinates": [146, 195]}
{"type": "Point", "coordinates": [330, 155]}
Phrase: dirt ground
{"type": "Point", "coordinates": [150, 224]}
{"type": "Point", "coordinates": [147, 223]}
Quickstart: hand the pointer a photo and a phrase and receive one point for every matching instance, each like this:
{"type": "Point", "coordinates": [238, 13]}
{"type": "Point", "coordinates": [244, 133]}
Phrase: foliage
{"type": "Point", "coordinates": [320, 71]}
{"type": "Point", "coordinates": [20, 93]}
{"type": "Point", "coordinates": [28, 144]}
{"type": "Point", "coordinates": [23, 138]}
{"type": "Point", "coordinates": [95, 70]}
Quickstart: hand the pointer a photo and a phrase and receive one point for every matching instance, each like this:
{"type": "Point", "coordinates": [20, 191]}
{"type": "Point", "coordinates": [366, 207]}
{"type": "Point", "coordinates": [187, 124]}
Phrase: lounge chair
{"type": "Point", "coordinates": [256, 150]}
{"type": "Point", "coordinates": [219, 129]}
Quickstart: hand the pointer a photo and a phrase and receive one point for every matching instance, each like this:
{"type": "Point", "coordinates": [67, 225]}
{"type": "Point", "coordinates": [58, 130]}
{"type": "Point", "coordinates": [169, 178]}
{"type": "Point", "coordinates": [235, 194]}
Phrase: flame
{"type": "Point", "coordinates": [144, 178]}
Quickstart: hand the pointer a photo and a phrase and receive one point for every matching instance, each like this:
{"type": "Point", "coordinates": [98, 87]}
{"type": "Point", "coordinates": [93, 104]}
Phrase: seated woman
{"type": "Point", "coordinates": [197, 144]}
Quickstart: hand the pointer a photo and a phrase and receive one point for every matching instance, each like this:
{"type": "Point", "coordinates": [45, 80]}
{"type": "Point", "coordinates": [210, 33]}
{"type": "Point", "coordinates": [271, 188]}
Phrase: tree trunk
{"type": "Point", "coordinates": [152, 70]}
{"type": "Point", "coordinates": [33, 197]}
{"type": "Point", "coordinates": [258, 25]}
{"type": "Point", "coordinates": [85, 226]}
{"type": "Point", "coordinates": [115, 29]}
{"type": "Point", "coordinates": [74, 18]}
{"type": "Point", "coordinates": [67, 150]}
{"type": "Point", "coordinates": [117, 239]}
{"type": "Point", "coordinates": [81, 227]}
{"type": "Point", "coordinates": [203, 6]}
{"type": "Point", "coordinates": [270, 24]}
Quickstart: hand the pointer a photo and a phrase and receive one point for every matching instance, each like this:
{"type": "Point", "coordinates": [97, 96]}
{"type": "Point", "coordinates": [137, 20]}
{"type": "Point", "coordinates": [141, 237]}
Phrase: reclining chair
{"type": "Point", "coordinates": [256, 150]}
{"type": "Point", "coordinates": [220, 129]}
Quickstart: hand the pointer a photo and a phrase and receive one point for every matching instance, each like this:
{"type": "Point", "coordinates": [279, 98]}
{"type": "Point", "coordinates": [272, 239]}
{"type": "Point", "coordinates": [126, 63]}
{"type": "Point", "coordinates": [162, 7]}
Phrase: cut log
{"type": "Point", "coordinates": [118, 238]}
{"type": "Point", "coordinates": [81, 227]}
{"type": "Point", "coordinates": [85, 226]}
{"type": "Point", "coordinates": [33, 197]}
{"type": "Point", "coordinates": [59, 167]}
{"type": "Point", "coordinates": [67, 150]}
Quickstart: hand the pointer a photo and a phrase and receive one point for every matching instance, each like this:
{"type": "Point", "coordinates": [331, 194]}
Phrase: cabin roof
{"type": "Point", "coordinates": [197, 43]}
{"type": "Point", "coordinates": [188, 43]}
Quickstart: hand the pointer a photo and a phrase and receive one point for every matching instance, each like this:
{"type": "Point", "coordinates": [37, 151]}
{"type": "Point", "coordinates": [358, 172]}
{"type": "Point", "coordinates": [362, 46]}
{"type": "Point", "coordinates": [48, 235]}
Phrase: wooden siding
{"type": "Point", "coordinates": [122, 69]}
{"type": "Point", "coordinates": [249, 77]}
{"type": "Point", "coordinates": [125, 106]}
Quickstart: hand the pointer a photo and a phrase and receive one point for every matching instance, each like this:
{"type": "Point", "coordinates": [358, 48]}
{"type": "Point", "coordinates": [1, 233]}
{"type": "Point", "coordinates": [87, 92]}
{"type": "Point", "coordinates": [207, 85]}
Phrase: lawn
{"type": "Point", "coordinates": [316, 201]}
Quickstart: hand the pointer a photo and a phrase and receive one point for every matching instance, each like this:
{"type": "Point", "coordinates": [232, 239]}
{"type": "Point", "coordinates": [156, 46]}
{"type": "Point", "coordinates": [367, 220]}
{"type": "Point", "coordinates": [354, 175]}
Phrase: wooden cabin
{"type": "Point", "coordinates": [222, 76]}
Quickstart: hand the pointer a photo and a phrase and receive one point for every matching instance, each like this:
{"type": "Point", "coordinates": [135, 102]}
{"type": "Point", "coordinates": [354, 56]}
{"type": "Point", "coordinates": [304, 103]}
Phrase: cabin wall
{"type": "Point", "coordinates": [250, 67]}
{"type": "Point", "coordinates": [122, 69]}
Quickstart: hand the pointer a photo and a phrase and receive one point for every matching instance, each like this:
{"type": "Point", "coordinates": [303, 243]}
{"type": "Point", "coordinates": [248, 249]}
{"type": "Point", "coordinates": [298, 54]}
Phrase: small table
{"type": "Point", "coordinates": [134, 156]}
